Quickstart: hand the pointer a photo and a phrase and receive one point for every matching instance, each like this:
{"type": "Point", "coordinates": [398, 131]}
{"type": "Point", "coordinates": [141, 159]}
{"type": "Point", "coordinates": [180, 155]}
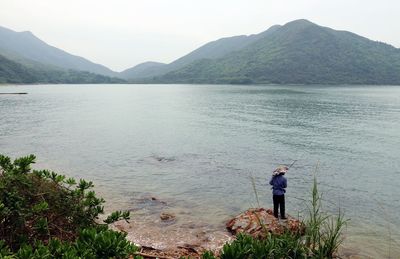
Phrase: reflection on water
{"type": "Point", "coordinates": [196, 146]}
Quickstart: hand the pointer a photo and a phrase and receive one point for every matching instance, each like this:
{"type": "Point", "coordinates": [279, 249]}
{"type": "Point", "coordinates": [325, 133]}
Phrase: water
{"type": "Point", "coordinates": [196, 145]}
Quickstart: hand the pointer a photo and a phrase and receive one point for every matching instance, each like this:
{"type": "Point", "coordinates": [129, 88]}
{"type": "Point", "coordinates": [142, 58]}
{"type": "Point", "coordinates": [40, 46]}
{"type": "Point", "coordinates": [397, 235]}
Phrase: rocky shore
{"type": "Point", "coordinates": [167, 237]}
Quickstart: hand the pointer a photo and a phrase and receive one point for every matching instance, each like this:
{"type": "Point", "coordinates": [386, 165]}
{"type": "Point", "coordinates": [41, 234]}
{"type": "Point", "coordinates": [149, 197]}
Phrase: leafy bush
{"type": "Point", "coordinates": [287, 245]}
{"type": "Point", "coordinates": [91, 243]}
{"type": "Point", "coordinates": [46, 215]}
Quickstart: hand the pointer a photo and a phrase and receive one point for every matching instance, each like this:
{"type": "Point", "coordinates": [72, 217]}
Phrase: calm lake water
{"type": "Point", "coordinates": [195, 146]}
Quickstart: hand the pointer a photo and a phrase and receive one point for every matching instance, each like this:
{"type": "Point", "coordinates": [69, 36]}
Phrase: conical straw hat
{"type": "Point", "coordinates": [281, 170]}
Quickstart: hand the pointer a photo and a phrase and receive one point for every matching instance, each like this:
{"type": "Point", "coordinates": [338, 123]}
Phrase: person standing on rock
{"type": "Point", "coordinates": [279, 184]}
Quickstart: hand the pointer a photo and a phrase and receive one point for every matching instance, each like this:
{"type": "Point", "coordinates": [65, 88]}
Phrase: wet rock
{"type": "Point", "coordinates": [257, 222]}
{"type": "Point", "coordinates": [173, 240]}
{"type": "Point", "coordinates": [163, 158]}
{"type": "Point", "coordinates": [156, 200]}
{"type": "Point", "coordinates": [148, 202]}
{"type": "Point", "coordinates": [165, 216]}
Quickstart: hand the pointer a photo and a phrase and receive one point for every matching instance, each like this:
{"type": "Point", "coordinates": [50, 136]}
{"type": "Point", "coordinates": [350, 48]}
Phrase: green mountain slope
{"type": "Point", "coordinates": [300, 52]}
{"type": "Point", "coordinates": [212, 50]}
{"type": "Point", "coordinates": [142, 70]}
{"type": "Point", "coordinates": [13, 72]}
{"type": "Point", "coordinates": [27, 45]}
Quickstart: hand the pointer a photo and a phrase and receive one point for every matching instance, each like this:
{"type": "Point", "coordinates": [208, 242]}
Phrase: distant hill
{"type": "Point", "coordinates": [142, 70]}
{"type": "Point", "coordinates": [212, 50]}
{"type": "Point", "coordinates": [12, 72]}
{"type": "Point", "coordinates": [27, 45]}
{"type": "Point", "coordinates": [300, 52]}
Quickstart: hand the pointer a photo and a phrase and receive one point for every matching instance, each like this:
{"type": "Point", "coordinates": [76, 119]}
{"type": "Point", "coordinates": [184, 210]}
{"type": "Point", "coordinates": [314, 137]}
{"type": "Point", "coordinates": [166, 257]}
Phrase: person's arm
{"type": "Point", "coordinates": [284, 182]}
{"type": "Point", "coordinates": [270, 181]}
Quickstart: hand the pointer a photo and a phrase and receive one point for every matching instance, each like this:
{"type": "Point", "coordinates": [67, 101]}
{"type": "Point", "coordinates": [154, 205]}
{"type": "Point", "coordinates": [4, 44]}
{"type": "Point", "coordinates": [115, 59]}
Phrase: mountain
{"type": "Point", "coordinates": [299, 52]}
{"type": "Point", "coordinates": [142, 70]}
{"type": "Point", "coordinates": [28, 46]}
{"type": "Point", "coordinates": [13, 72]}
{"type": "Point", "coordinates": [212, 50]}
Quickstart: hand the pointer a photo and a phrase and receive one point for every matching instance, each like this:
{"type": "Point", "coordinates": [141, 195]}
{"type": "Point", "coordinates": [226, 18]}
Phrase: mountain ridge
{"type": "Point", "coordinates": [299, 52]}
{"type": "Point", "coordinates": [12, 72]}
{"type": "Point", "coordinates": [213, 49]}
{"type": "Point", "coordinates": [27, 45]}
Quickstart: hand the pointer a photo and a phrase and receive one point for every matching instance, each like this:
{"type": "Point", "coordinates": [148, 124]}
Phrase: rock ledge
{"type": "Point", "coordinates": [258, 222]}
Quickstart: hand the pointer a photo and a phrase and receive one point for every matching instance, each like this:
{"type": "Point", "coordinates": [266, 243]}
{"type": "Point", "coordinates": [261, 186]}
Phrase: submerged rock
{"type": "Point", "coordinates": [257, 222]}
{"type": "Point", "coordinates": [165, 216]}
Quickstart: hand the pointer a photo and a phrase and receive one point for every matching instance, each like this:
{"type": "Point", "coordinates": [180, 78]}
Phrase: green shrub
{"type": "Point", "coordinates": [105, 243]}
{"type": "Point", "coordinates": [91, 244]}
{"type": "Point", "coordinates": [287, 245]}
{"type": "Point", "coordinates": [46, 215]}
{"type": "Point", "coordinates": [208, 255]}
{"type": "Point", "coordinates": [4, 250]}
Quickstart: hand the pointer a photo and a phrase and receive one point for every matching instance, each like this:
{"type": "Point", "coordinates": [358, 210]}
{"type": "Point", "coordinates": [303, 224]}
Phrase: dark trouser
{"type": "Point", "coordinates": [279, 201]}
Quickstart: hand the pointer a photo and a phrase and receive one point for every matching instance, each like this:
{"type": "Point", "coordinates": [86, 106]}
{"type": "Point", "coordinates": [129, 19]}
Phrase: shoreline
{"type": "Point", "coordinates": [185, 235]}
{"type": "Point", "coordinates": [173, 241]}
{"type": "Point", "coordinates": [12, 93]}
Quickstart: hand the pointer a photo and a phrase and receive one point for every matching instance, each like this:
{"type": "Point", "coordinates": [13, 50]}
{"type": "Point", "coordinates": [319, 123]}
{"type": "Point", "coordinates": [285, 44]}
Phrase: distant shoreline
{"type": "Point", "coordinates": [216, 84]}
{"type": "Point", "coordinates": [13, 93]}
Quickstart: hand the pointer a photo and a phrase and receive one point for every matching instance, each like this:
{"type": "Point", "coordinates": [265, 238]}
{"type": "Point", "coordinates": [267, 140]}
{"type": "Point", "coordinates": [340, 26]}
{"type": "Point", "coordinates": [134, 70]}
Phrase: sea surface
{"type": "Point", "coordinates": [196, 147]}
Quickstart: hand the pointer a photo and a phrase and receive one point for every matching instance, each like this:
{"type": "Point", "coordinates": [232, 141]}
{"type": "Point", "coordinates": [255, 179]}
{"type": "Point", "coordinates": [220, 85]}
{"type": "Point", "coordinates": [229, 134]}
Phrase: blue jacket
{"type": "Point", "coordinates": [279, 183]}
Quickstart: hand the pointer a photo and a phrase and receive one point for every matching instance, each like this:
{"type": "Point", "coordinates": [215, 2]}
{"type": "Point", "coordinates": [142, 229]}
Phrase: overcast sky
{"type": "Point", "coordinates": [123, 33]}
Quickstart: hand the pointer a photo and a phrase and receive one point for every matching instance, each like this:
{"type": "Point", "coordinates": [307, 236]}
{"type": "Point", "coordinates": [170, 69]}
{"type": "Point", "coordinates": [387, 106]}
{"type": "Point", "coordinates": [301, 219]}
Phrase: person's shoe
{"type": "Point", "coordinates": [284, 218]}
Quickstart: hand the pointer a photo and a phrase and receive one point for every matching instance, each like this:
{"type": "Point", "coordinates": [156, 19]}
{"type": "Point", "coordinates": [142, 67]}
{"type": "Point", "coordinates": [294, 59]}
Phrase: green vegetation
{"type": "Point", "coordinates": [25, 45]}
{"type": "Point", "coordinates": [143, 70]}
{"type": "Point", "coordinates": [300, 52]}
{"type": "Point", "coordinates": [13, 72]}
{"type": "Point", "coordinates": [25, 59]}
{"type": "Point", "coordinates": [284, 246]}
{"type": "Point", "coordinates": [46, 215]}
{"type": "Point", "coordinates": [212, 50]}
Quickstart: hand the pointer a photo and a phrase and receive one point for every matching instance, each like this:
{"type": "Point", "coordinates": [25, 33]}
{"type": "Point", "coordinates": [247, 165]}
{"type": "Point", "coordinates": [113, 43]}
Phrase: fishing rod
{"type": "Point", "coordinates": [292, 164]}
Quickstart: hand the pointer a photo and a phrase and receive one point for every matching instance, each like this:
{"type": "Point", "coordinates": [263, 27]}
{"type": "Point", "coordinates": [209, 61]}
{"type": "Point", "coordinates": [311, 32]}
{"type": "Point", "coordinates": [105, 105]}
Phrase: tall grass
{"type": "Point", "coordinates": [253, 185]}
{"type": "Point", "coordinates": [323, 231]}
{"type": "Point", "coordinates": [315, 219]}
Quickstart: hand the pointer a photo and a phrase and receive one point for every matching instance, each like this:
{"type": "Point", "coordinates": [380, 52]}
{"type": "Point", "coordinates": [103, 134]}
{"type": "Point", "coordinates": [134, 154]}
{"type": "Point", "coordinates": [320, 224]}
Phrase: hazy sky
{"type": "Point", "coordinates": [122, 33]}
